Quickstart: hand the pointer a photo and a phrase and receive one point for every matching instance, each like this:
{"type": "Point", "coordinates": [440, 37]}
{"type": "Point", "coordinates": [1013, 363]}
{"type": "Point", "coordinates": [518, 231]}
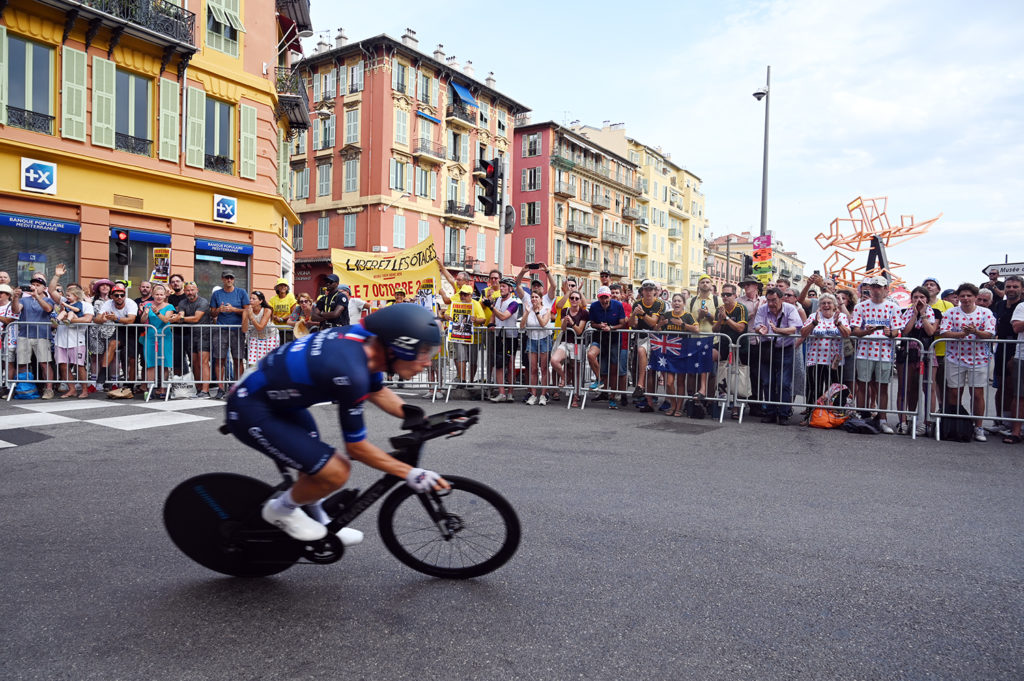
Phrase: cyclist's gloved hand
{"type": "Point", "coordinates": [421, 480]}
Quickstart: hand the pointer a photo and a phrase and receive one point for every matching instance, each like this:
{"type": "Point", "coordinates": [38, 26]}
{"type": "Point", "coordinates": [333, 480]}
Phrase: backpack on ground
{"type": "Point", "coordinates": [955, 429]}
{"type": "Point", "coordinates": [26, 391]}
{"type": "Point", "coordinates": [696, 409]}
{"type": "Point", "coordinates": [856, 424]}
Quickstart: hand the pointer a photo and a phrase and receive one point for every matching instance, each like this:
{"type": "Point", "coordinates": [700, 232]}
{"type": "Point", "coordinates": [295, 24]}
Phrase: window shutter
{"type": "Point", "coordinates": [394, 73]}
{"type": "Point", "coordinates": [464, 157]}
{"type": "Point", "coordinates": [342, 78]}
{"type": "Point", "coordinates": [394, 173]}
{"type": "Point", "coordinates": [103, 77]}
{"type": "Point", "coordinates": [247, 140]}
{"type": "Point", "coordinates": [316, 135]}
{"type": "Point", "coordinates": [316, 87]}
{"type": "Point", "coordinates": [522, 214]}
{"type": "Point", "coordinates": [3, 76]}
{"type": "Point", "coordinates": [357, 76]}
{"type": "Point", "coordinates": [433, 92]}
{"type": "Point", "coordinates": [168, 120]}
{"type": "Point", "coordinates": [195, 129]}
{"type": "Point", "coordinates": [526, 146]}
{"type": "Point", "coordinates": [433, 186]}
{"type": "Point", "coordinates": [282, 164]}
{"type": "Point", "coordinates": [73, 89]}
{"type": "Point", "coordinates": [523, 179]}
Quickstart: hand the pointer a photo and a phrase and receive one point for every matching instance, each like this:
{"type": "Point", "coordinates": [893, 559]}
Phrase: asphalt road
{"type": "Point", "coordinates": [653, 548]}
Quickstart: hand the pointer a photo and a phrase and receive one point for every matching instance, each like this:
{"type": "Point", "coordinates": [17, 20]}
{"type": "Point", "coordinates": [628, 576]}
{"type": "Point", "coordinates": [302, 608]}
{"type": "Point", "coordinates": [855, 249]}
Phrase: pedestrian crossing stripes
{"type": "Point", "coordinates": [123, 416]}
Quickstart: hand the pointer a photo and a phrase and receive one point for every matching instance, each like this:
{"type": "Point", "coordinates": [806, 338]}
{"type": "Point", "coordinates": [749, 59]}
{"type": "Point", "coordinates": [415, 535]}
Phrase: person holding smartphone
{"type": "Point", "coordinates": [875, 321]}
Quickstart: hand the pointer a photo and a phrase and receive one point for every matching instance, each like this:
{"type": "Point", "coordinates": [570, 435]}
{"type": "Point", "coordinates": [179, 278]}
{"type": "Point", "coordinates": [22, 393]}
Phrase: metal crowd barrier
{"type": "Point", "coordinates": [959, 396]}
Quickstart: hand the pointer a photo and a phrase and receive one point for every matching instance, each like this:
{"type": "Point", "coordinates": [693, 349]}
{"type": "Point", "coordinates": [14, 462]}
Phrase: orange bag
{"type": "Point", "coordinates": [822, 417]}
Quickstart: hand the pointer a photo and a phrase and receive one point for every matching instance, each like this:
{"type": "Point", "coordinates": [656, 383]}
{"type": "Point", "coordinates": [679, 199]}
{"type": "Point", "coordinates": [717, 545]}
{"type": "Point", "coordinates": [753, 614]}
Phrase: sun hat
{"type": "Point", "coordinates": [604, 291]}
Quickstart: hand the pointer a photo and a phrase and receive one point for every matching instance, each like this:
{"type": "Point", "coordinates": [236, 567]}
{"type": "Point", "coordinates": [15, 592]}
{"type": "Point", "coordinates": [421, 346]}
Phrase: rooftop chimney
{"type": "Point", "coordinates": [468, 68]}
{"type": "Point", "coordinates": [452, 62]}
{"type": "Point", "coordinates": [409, 39]}
{"type": "Point", "coordinates": [439, 52]}
{"type": "Point", "coordinates": [490, 82]}
{"type": "Point", "coordinates": [341, 39]}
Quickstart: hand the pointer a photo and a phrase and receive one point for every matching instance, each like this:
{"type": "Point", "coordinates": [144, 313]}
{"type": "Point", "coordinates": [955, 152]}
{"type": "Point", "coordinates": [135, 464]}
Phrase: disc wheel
{"type": "Point", "coordinates": [476, 531]}
{"type": "Point", "coordinates": [214, 519]}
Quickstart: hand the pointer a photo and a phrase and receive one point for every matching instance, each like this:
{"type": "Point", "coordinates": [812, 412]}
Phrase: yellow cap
{"type": "Point", "coordinates": [466, 288]}
{"type": "Point", "coordinates": [280, 281]}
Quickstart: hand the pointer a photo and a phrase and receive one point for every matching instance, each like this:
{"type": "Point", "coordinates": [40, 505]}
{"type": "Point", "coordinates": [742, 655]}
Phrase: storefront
{"type": "Point", "coordinates": [33, 245]}
{"type": "Point", "coordinates": [215, 257]}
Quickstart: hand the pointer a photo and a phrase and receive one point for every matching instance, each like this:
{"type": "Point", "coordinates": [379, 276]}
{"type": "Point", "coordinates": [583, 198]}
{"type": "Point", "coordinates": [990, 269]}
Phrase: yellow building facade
{"type": "Point", "coordinates": [147, 119]}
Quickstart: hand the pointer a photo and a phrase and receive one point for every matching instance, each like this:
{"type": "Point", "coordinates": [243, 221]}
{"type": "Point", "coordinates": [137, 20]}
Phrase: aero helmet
{"type": "Point", "coordinates": [405, 329]}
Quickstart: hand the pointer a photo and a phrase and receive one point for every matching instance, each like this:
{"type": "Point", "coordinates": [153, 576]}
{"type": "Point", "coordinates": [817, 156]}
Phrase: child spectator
{"type": "Point", "coordinates": [71, 341]}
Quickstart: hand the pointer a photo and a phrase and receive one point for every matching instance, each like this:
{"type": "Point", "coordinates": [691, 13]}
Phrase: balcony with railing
{"type": "Point", "coordinates": [133, 145]}
{"type": "Point", "coordinates": [428, 150]}
{"type": "Point", "coordinates": [220, 164]}
{"type": "Point", "coordinates": [565, 189]}
{"type": "Point", "coordinates": [640, 246]}
{"type": "Point", "coordinates": [601, 202]}
{"type": "Point", "coordinates": [29, 120]}
{"type": "Point", "coordinates": [461, 115]}
{"type": "Point", "coordinates": [580, 228]}
{"type": "Point", "coordinates": [617, 270]}
{"type": "Point", "coordinates": [562, 161]}
{"type": "Point", "coordinates": [640, 269]}
{"type": "Point", "coordinates": [613, 237]}
{"type": "Point", "coordinates": [458, 211]}
{"type": "Point", "coordinates": [160, 22]}
{"type": "Point", "coordinates": [292, 100]}
{"type": "Point", "coordinates": [631, 213]}
{"type": "Point", "coordinates": [675, 233]}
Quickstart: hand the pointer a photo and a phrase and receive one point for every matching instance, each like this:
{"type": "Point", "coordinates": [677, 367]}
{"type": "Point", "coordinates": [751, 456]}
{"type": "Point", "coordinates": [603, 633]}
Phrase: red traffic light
{"type": "Point", "coordinates": [122, 235]}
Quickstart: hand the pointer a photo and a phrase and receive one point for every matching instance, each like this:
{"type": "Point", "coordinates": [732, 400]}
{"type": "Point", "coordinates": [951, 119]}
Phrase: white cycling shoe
{"type": "Point", "coordinates": [350, 536]}
{"type": "Point", "coordinates": [295, 523]}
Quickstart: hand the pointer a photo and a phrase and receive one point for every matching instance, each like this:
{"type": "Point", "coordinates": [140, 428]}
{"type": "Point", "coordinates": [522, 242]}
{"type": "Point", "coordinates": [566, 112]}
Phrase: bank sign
{"type": "Point", "coordinates": [38, 176]}
{"type": "Point", "coordinates": [225, 209]}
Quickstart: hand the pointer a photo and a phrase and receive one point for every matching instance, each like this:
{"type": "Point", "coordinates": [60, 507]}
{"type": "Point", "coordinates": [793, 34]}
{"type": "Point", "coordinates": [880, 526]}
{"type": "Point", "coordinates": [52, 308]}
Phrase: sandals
{"type": "Point", "coordinates": [1012, 439]}
{"type": "Point", "coordinates": [70, 394]}
{"type": "Point", "coordinates": [678, 413]}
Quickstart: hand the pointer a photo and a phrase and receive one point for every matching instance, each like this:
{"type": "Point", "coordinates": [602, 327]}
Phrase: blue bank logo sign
{"type": "Point", "coordinates": [225, 208]}
{"type": "Point", "coordinates": [38, 176]}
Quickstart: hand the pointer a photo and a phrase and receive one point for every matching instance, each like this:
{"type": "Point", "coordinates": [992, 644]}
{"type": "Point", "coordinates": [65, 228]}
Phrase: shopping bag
{"type": "Point", "coordinates": [737, 380]}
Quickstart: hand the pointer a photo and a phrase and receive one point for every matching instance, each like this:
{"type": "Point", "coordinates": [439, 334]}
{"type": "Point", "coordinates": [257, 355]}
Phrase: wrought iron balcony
{"type": "Point", "coordinates": [631, 213]}
{"type": "Point", "coordinates": [675, 233]}
{"type": "Point", "coordinates": [565, 188]}
{"type": "Point", "coordinates": [460, 112]}
{"type": "Point", "coordinates": [601, 202]}
{"type": "Point", "coordinates": [614, 237]}
{"type": "Point", "coordinates": [590, 264]}
{"type": "Point", "coordinates": [155, 21]}
{"type": "Point", "coordinates": [580, 228]}
{"type": "Point", "coordinates": [617, 270]}
{"type": "Point", "coordinates": [640, 247]}
{"type": "Point", "coordinates": [133, 145]}
{"type": "Point", "coordinates": [29, 120]}
{"type": "Point", "coordinates": [459, 210]}
{"type": "Point", "coordinates": [641, 270]}
{"type": "Point", "coordinates": [429, 149]}
{"type": "Point", "coordinates": [220, 164]}
{"type": "Point", "coordinates": [561, 161]}
{"type": "Point", "coordinates": [292, 98]}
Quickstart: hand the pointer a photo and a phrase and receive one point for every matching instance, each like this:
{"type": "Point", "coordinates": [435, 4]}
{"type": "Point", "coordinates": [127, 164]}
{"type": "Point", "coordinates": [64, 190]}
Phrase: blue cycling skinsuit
{"type": "Point", "coordinates": [268, 409]}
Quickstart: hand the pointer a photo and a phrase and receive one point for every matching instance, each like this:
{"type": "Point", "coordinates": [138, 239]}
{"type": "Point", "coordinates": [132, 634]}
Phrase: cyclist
{"type": "Point", "coordinates": [268, 409]}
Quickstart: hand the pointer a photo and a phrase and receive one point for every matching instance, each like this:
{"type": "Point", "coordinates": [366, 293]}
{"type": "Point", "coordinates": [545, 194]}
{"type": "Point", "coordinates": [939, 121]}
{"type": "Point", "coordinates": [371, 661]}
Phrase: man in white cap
{"type": "Point", "coordinates": [875, 320]}
{"type": "Point", "coordinates": [606, 354]}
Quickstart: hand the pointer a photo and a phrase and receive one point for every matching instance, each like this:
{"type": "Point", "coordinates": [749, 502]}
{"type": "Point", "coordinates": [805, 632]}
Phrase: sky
{"type": "Point", "coordinates": [917, 101]}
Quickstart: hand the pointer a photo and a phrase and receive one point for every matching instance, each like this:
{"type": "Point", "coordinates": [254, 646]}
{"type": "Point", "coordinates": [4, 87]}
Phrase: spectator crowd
{"type": "Point", "coordinates": [518, 338]}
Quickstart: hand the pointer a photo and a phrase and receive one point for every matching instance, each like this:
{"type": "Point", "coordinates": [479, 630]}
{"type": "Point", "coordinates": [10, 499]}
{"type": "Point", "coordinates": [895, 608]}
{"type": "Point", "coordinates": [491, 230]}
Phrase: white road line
{"type": "Point", "coordinates": [70, 404]}
{"type": "Point", "coordinates": [144, 421]}
{"type": "Point", "coordinates": [179, 405]}
{"type": "Point", "coordinates": [32, 419]}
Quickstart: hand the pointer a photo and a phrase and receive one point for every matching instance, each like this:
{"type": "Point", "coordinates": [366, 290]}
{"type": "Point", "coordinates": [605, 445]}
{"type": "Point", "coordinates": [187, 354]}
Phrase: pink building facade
{"type": "Point", "coordinates": [392, 153]}
{"type": "Point", "coordinates": [573, 200]}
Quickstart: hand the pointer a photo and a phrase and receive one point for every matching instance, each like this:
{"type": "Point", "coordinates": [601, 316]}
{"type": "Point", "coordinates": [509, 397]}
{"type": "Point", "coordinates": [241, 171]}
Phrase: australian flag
{"type": "Point", "coordinates": [680, 354]}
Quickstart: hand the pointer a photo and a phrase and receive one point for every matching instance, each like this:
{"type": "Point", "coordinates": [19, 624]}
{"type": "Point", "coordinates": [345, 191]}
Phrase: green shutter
{"type": "Point", "coordinates": [195, 129]}
{"type": "Point", "coordinates": [168, 120]}
{"type": "Point", "coordinates": [73, 91]}
{"type": "Point", "coordinates": [3, 76]}
{"type": "Point", "coordinates": [247, 149]}
{"type": "Point", "coordinates": [103, 80]}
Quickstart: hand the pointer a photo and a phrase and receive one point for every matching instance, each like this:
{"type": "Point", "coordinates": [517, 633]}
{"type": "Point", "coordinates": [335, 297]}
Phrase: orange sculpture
{"type": "Point", "coordinates": [853, 235]}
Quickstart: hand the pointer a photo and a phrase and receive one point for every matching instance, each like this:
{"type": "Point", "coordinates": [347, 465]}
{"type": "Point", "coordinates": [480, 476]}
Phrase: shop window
{"type": "Point", "coordinates": [31, 245]}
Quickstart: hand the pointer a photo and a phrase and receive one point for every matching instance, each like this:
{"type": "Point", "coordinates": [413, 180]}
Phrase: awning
{"type": "Point", "coordinates": [579, 242]}
{"type": "Point", "coordinates": [290, 33]}
{"type": "Point", "coordinates": [428, 117]}
{"type": "Point", "coordinates": [464, 95]}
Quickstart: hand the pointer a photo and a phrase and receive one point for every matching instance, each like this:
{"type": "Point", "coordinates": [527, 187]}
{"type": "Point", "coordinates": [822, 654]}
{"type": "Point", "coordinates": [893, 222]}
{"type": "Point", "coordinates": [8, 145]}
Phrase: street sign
{"type": "Point", "coordinates": [38, 176]}
{"type": "Point", "coordinates": [1005, 269]}
{"type": "Point", "coordinates": [763, 241]}
{"type": "Point", "coordinates": [225, 208]}
{"type": "Point", "coordinates": [764, 267]}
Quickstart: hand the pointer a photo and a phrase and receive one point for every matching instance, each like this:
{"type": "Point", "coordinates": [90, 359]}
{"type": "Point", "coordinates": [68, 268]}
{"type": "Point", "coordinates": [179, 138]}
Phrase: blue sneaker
{"type": "Point", "coordinates": [612, 404]}
{"type": "Point", "coordinates": [596, 385]}
{"type": "Point", "coordinates": [665, 406]}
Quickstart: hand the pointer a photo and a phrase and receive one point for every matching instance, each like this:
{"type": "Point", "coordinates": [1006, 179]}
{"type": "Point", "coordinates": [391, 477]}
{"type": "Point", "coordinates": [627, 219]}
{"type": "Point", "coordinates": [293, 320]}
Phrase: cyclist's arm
{"type": "Point", "coordinates": [388, 400]}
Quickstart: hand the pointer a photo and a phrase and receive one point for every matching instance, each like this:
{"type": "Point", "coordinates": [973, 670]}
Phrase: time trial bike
{"type": "Point", "coordinates": [466, 531]}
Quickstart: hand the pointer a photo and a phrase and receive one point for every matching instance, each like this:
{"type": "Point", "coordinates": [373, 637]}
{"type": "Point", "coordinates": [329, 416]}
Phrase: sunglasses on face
{"type": "Point", "coordinates": [574, 297]}
{"type": "Point", "coordinates": [727, 295]}
{"type": "Point", "coordinates": [118, 295]}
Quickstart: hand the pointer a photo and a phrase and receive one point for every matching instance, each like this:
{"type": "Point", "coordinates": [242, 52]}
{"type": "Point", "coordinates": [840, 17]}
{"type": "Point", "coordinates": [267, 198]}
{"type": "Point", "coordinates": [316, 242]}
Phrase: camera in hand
{"type": "Point", "coordinates": [26, 288]}
{"type": "Point", "coordinates": [534, 266]}
{"type": "Point", "coordinates": [486, 302]}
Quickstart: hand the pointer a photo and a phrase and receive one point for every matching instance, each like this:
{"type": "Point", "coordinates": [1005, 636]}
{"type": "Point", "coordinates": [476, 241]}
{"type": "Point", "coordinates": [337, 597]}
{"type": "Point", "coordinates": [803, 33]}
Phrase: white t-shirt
{"type": "Point", "coordinates": [825, 343]}
{"type": "Point", "coordinates": [1018, 316]}
{"type": "Point", "coordinates": [355, 310]}
{"type": "Point", "coordinates": [967, 352]}
{"type": "Point", "coordinates": [866, 313]}
{"type": "Point", "coordinates": [73, 335]}
{"type": "Point", "coordinates": [130, 309]}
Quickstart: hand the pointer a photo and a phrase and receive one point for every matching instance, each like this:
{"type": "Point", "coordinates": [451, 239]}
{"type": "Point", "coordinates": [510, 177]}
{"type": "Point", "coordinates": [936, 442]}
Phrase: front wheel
{"type": "Point", "coordinates": [466, 531]}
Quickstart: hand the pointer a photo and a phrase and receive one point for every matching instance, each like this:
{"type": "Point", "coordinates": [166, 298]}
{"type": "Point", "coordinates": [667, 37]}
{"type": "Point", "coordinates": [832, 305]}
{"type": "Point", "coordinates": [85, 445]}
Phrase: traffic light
{"type": "Point", "coordinates": [748, 266]}
{"type": "Point", "coordinates": [491, 183]}
{"type": "Point", "coordinates": [124, 251]}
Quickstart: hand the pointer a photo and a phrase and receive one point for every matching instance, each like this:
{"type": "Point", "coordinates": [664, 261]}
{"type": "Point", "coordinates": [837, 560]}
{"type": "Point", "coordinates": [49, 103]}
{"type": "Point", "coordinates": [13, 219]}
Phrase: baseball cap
{"type": "Point", "coordinates": [605, 273]}
{"type": "Point", "coordinates": [118, 287]}
{"type": "Point", "coordinates": [332, 277]}
{"type": "Point", "coordinates": [948, 292]}
{"type": "Point", "coordinates": [876, 281]}
{"type": "Point", "coordinates": [466, 288]}
{"type": "Point", "coordinates": [345, 287]}
{"type": "Point", "coordinates": [704, 276]}
{"type": "Point", "coordinates": [927, 279]}
{"type": "Point", "coordinates": [604, 291]}
{"type": "Point", "coordinates": [647, 283]}
{"type": "Point", "coordinates": [4, 288]}
{"type": "Point", "coordinates": [282, 282]}
{"type": "Point", "coordinates": [226, 274]}
{"type": "Point", "coordinates": [38, 277]}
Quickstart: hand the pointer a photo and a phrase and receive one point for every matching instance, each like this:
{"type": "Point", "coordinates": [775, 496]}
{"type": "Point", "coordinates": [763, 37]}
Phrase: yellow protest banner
{"type": "Point", "coordinates": [376, 276]}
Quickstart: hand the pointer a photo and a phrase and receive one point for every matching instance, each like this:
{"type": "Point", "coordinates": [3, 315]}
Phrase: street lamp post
{"type": "Point", "coordinates": [763, 93]}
